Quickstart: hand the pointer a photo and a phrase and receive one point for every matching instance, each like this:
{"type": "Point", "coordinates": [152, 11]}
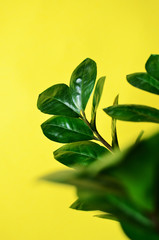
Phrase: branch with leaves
{"type": "Point", "coordinates": [122, 185]}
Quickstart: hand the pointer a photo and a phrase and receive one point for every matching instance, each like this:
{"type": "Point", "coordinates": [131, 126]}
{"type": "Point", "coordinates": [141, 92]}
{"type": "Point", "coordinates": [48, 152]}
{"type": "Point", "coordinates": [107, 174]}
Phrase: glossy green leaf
{"type": "Point", "coordinates": [82, 82]}
{"type": "Point", "coordinates": [139, 232]}
{"type": "Point", "coordinates": [57, 100]}
{"type": "Point", "coordinates": [79, 153]}
{"type": "Point", "coordinates": [134, 113]}
{"type": "Point", "coordinates": [115, 143]}
{"type": "Point", "coordinates": [152, 66]}
{"type": "Point", "coordinates": [96, 98]}
{"type": "Point", "coordinates": [144, 81]}
{"type": "Point", "coordinates": [65, 129]}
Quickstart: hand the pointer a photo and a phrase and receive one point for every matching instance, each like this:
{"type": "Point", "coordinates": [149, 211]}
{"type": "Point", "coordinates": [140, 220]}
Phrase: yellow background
{"type": "Point", "coordinates": [41, 42]}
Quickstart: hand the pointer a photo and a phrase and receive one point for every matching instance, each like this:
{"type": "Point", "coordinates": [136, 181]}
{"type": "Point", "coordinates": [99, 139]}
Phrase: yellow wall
{"type": "Point", "coordinates": [41, 42]}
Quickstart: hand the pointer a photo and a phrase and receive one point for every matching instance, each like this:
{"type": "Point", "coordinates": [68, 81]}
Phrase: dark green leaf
{"type": "Point", "coordinates": [79, 153]}
{"type": "Point", "coordinates": [152, 66]}
{"type": "Point", "coordinates": [115, 143]}
{"type": "Point", "coordinates": [96, 98]}
{"type": "Point", "coordinates": [57, 100]}
{"type": "Point", "coordinates": [141, 161]}
{"type": "Point", "coordinates": [120, 206]}
{"type": "Point", "coordinates": [81, 205]}
{"type": "Point", "coordinates": [107, 216]}
{"type": "Point", "coordinates": [66, 129]}
{"type": "Point", "coordinates": [92, 202]}
{"type": "Point", "coordinates": [81, 180]}
{"type": "Point", "coordinates": [139, 137]}
{"type": "Point", "coordinates": [82, 82]}
{"type": "Point", "coordinates": [134, 113]}
{"type": "Point", "coordinates": [94, 194]}
{"type": "Point", "coordinates": [144, 82]}
{"type": "Point", "coordinates": [139, 232]}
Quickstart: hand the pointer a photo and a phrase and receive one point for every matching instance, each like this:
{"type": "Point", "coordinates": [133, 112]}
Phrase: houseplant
{"type": "Point", "coordinates": [123, 185]}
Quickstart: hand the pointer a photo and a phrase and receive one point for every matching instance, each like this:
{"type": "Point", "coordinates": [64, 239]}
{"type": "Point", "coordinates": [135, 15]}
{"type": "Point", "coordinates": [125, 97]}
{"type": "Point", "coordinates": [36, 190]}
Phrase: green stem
{"type": "Point", "coordinates": [99, 137]}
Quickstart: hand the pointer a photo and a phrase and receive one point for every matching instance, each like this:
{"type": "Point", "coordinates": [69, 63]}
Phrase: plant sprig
{"type": "Point", "coordinates": [122, 185]}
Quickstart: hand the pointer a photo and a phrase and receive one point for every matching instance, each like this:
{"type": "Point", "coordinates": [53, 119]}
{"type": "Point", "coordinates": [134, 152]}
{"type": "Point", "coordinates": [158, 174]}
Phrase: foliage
{"type": "Point", "coordinates": [123, 185]}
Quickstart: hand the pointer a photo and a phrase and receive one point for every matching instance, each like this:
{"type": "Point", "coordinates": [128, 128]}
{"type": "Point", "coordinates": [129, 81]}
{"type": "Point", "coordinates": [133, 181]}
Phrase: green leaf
{"type": "Point", "coordinates": [107, 216]}
{"type": "Point", "coordinates": [81, 205]}
{"type": "Point", "coordinates": [82, 83]}
{"type": "Point", "coordinates": [82, 180]}
{"type": "Point", "coordinates": [139, 232]}
{"type": "Point", "coordinates": [152, 66]}
{"type": "Point", "coordinates": [139, 137]}
{"type": "Point", "coordinates": [134, 113]}
{"type": "Point", "coordinates": [92, 202]}
{"type": "Point", "coordinates": [96, 99]}
{"type": "Point", "coordinates": [57, 100]}
{"type": "Point", "coordinates": [65, 129]}
{"type": "Point", "coordinates": [115, 143]}
{"type": "Point", "coordinates": [79, 153]}
{"type": "Point", "coordinates": [141, 161]}
{"type": "Point", "coordinates": [119, 206]}
{"type": "Point", "coordinates": [144, 82]}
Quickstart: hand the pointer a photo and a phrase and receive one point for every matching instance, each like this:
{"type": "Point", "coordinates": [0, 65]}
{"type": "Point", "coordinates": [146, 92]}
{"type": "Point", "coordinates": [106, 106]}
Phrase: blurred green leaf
{"type": "Point", "coordinates": [134, 113]}
{"type": "Point", "coordinates": [139, 232]}
{"type": "Point", "coordinates": [66, 129]}
{"type": "Point", "coordinates": [82, 180]}
{"type": "Point", "coordinates": [79, 153]}
{"type": "Point", "coordinates": [139, 137]}
{"type": "Point", "coordinates": [135, 170]}
{"type": "Point", "coordinates": [144, 81]}
{"type": "Point", "coordinates": [107, 216]}
{"type": "Point", "coordinates": [82, 83]}
{"type": "Point", "coordinates": [98, 194]}
{"type": "Point", "coordinates": [57, 100]}
{"type": "Point", "coordinates": [82, 205]}
{"type": "Point", "coordinates": [152, 66]}
{"type": "Point", "coordinates": [115, 143]}
{"type": "Point", "coordinates": [120, 206]}
{"type": "Point", "coordinates": [96, 99]}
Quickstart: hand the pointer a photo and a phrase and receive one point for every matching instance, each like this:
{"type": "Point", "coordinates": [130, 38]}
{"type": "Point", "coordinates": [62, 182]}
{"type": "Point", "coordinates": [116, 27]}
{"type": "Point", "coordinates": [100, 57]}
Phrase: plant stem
{"type": "Point", "coordinates": [99, 137]}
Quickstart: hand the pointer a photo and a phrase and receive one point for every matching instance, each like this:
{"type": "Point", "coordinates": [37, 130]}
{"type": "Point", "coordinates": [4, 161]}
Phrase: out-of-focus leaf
{"type": "Point", "coordinates": [66, 129]}
{"type": "Point", "coordinates": [119, 206]}
{"type": "Point", "coordinates": [134, 113]}
{"type": "Point", "coordinates": [115, 143]}
{"type": "Point", "coordinates": [139, 232]}
{"type": "Point", "coordinates": [96, 194]}
{"type": "Point", "coordinates": [82, 205]}
{"type": "Point", "coordinates": [139, 137]}
{"type": "Point", "coordinates": [93, 202]}
{"type": "Point", "coordinates": [152, 66]}
{"type": "Point", "coordinates": [144, 81]}
{"type": "Point", "coordinates": [96, 98]}
{"type": "Point", "coordinates": [82, 83]}
{"type": "Point", "coordinates": [79, 153]}
{"type": "Point", "coordinates": [107, 216]}
{"type": "Point", "coordinates": [57, 100]}
{"type": "Point", "coordinates": [140, 161]}
{"type": "Point", "coordinates": [81, 180]}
